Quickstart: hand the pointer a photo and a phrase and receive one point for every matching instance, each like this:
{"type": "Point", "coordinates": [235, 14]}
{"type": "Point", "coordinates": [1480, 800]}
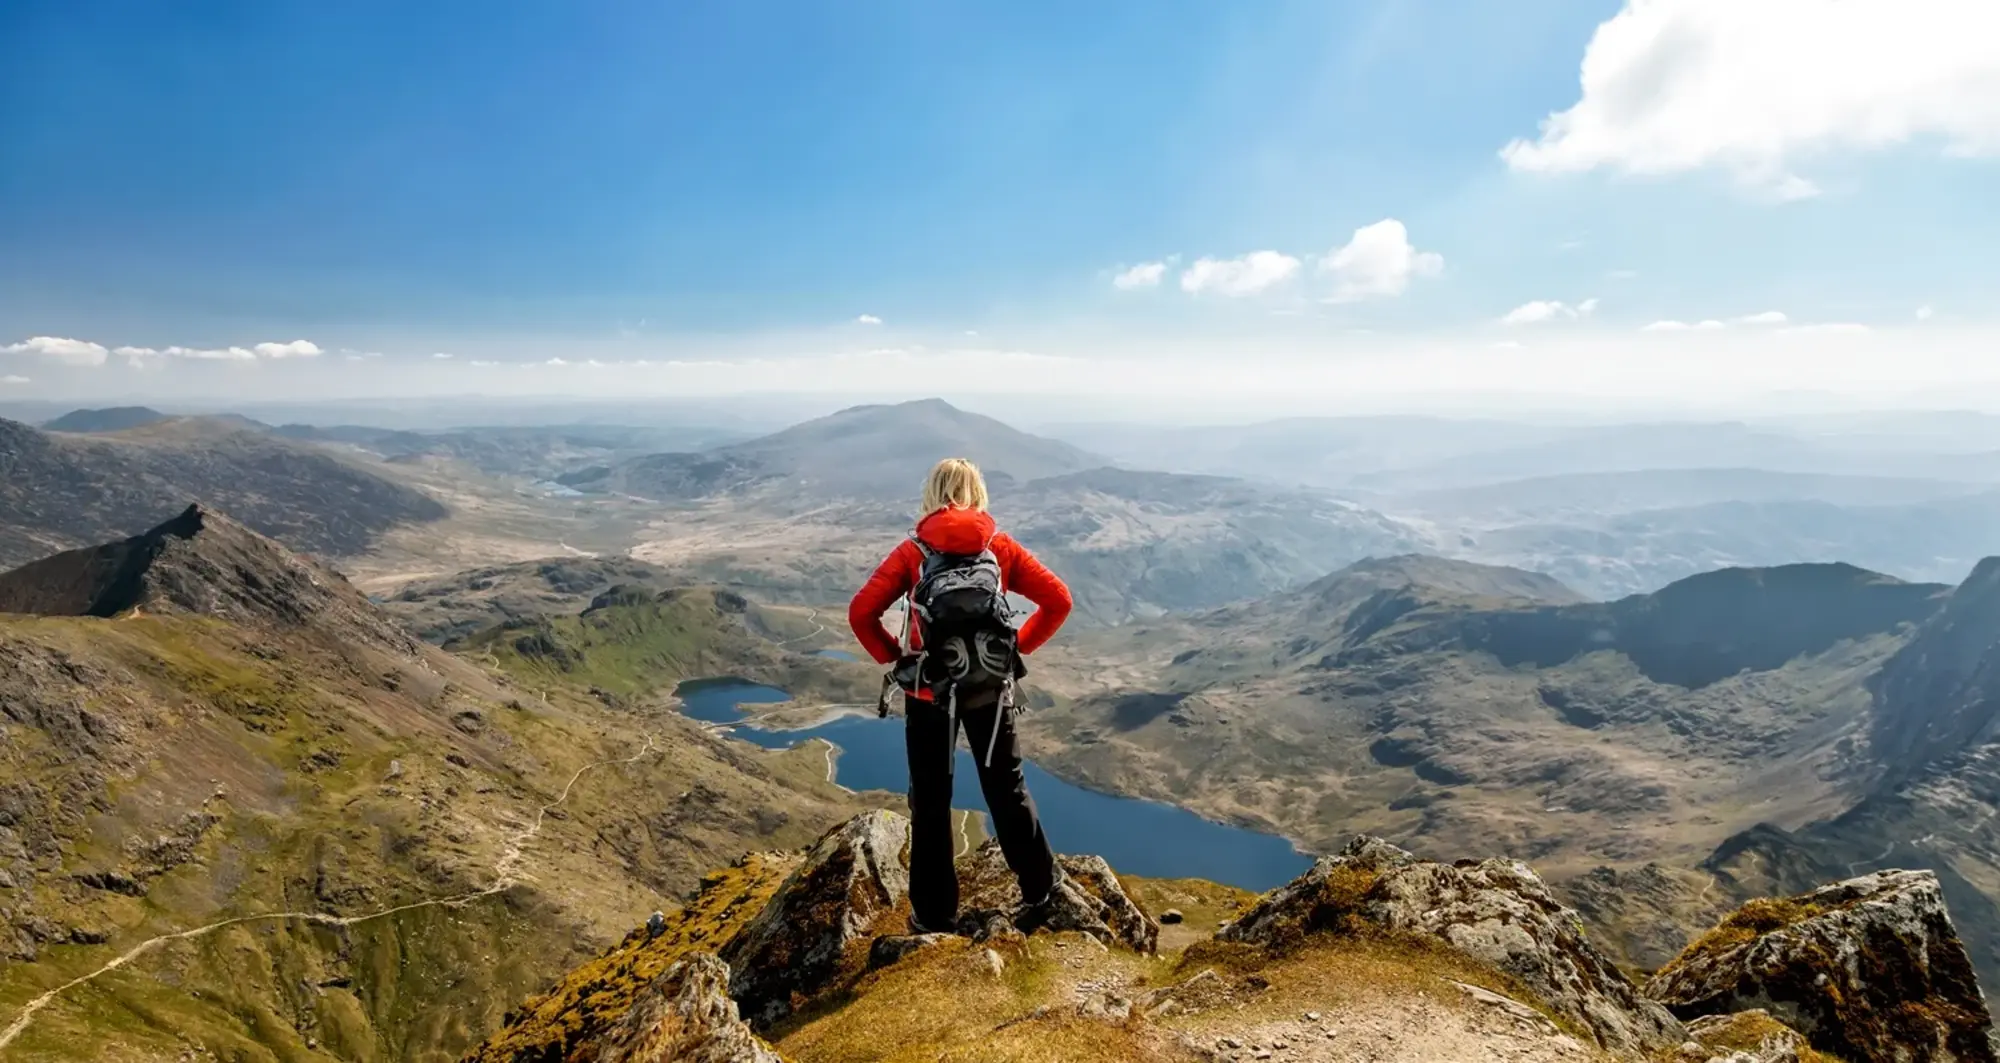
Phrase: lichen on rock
{"type": "Point", "coordinates": [818, 925]}
{"type": "Point", "coordinates": [987, 885]}
{"type": "Point", "coordinates": [1497, 912]}
{"type": "Point", "coordinates": [1870, 970]}
{"type": "Point", "coordinates": [685, 1016]}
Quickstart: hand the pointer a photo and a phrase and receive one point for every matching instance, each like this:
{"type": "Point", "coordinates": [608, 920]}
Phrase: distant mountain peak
{"type": "Point", "coordinates": [203, 563]}
{"type": "Point", "coordinates": [109, 419]}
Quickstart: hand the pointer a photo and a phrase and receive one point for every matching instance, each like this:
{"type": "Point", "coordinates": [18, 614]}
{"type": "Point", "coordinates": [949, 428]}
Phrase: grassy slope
{"type": "Point", "coordinates": [348, 793]}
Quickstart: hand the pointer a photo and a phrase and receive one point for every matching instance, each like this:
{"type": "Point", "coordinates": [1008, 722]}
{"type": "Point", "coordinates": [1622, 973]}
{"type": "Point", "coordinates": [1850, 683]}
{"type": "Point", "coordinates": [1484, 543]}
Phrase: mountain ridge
{"type": "Point", "coordinates": [59, 491]}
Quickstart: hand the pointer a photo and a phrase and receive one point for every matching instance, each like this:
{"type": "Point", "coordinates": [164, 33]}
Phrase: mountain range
{"type": "Point", "coordinates": [61, 490]}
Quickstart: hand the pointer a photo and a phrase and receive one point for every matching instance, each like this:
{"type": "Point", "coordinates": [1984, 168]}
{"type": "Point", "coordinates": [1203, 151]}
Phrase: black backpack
{"type": "Point", "coordinates": [970, 644]}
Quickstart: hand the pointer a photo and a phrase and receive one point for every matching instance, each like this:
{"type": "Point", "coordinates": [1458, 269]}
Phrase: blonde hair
{"type": "Point", "coordinates": [954, 482]}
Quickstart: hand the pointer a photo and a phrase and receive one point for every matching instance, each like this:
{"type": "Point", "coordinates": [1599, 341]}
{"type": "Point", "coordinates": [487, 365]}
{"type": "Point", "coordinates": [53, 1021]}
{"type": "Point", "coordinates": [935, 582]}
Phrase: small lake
{"type": "Point", "coordinates": [836, 655]}
{"type": "Point", "coordinates": [1138, 837]}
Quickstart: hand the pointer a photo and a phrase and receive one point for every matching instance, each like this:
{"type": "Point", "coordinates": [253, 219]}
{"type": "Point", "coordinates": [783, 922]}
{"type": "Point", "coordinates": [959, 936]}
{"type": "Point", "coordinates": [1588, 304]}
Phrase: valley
{"type": "Point", "coordinates": [468, 744]}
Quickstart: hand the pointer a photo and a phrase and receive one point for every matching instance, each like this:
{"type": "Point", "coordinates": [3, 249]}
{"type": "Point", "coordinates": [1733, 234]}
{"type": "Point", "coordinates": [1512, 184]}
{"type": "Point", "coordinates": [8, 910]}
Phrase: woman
{"type": "Point", "coordinates": [955, 524]}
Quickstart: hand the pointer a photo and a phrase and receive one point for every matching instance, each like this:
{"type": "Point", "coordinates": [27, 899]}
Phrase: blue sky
{"type": "Point", "coordinates": [739, 185]}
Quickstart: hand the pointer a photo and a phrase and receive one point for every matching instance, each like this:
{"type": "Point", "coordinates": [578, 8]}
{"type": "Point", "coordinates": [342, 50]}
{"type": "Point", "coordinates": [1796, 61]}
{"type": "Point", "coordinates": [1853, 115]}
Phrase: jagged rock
{"type": "Point", "coordinates": [204, 563]}
{"type": "Point", "coordinates": [890, 949]}
{"type": "Point", "coordinates": [1745, 1037]}
{"type": "Point", "coordinates": [1095, 902]}
{"type": "Point", "coordinates": [816, 925]}
{"type": "Point", "coordinates": [685, 1016]}
{"type": "Point", "coordinates": [1497, 912]}
{"type": "Point", "coordinates": [1870, 970]}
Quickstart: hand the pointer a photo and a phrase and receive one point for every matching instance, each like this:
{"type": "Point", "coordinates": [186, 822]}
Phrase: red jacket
{"type": "Point", "coordinates": [956, 531]}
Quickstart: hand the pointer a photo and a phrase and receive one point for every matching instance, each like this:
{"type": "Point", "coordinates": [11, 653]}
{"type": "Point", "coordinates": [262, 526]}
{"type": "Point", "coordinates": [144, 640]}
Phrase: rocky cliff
{"type": "Point", "coordinates": [1870, 970]}
{"type": "Point", "coordinates": [1371, 955]}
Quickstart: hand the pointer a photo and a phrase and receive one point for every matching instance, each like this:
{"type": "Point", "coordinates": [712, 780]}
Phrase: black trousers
{"type": "Point", "coordinates": [931, 735]}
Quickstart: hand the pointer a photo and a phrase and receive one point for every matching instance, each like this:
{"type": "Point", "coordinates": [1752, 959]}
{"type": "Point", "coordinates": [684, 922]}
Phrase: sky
{"type": "Point", "coordinates": [1157, 204]}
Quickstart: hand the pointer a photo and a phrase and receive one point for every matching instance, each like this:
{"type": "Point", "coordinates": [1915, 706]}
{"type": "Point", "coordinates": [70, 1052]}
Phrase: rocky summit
{"type": "Point", "coordinates": [1870, 970]}
{"type": "Point", "coordinates": [1373, 954]}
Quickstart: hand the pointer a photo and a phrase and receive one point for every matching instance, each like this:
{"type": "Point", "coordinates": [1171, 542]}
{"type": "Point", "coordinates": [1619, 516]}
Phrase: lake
{"type": "Point", "coordinates": [1138, 837]}
{"type": "Point", "coordinates": [835, 655]}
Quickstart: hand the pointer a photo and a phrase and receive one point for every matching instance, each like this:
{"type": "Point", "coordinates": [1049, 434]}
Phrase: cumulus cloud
{"type": "Point", "coordinates": [482, 364]}
{"type": "Point", "coordinates": [1670, 86]}
{"type": "Point", "coordinates": [1255, 272]}
{"type": "Point", "coordinates": [444, 355]}
{"type": "Point", "coordinates": [1924, 312]}
{"type": "Point", "coordinates": [11, 380]}
{"type": "Point", "coordinates": [868, 319]}
{"type": "Point", "coordinates": [1768, 317]}
{"type": "Point", "coordinates": [1143, 275]}
{"type": "Point", "coordinates": [60, 349]}
{"type": "Point", "coordinates": [212, 354]}
{"type": "Point", "coordinates": [556, 361]}
{"type": "Point", "coordinates": [1378, 263]}
{"type": "Point", "coordinates": [294, 349]}
{"type": "Point", "coordinates": [1705, 325]}
{"type": "Point", "coordinates": [1536, 311]}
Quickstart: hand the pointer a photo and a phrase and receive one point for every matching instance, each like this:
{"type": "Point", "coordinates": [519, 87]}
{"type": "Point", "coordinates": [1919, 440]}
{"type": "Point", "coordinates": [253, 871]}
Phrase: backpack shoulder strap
{"type": "Point", "coordinates": [923, 547]}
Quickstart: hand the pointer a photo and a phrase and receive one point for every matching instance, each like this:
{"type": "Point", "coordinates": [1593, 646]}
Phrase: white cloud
{"type": "Point", "coordinates": [1830, 328]}
{"type": "Point", "coordinates": [1681, 326]}
{"type": "Point", "coordinates": [1507, 345]}
{"type": "Point", "coordinates": [294, 349]}
{"type": "Point", "coordinates": [1253, 273]}
{"type": "Point", "coordinates": [12, 380]}
{"type": "Point", "coordinates": [60, 349]}
{"type": "Point", "coordinates": [868, 319]}
{"type": "Point", "coordinates": [1746, 86]}
{"type": "Point", "coordinates": [556, 361]}
{"type": "Point", "coordinates": [1924, 312]}
{"type": "Point", "coordinates": [212, 354]}
{"type": "Point", "coordinates": [1143, 275]}
{"type": "Point", "coordinates": [482, 364]}
{"type": "Point", "coordinates": [1537, 311]}
{"type": "Point", "coordinates": [443, 355]}
{"type": "Point", "coordinates": [1533, 312]}
{"type": "Point", "coordinates": [1378, 263]}
{"type": "Point", "coordinates": [1768, 317]}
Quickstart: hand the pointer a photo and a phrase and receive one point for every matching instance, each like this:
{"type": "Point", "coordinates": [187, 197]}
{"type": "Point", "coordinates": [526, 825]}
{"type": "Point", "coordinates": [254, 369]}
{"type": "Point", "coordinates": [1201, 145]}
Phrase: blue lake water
{"type": "Point", "coordinates": [838, 655]}
{"type": "Point", "coordinates": [1137, 837]}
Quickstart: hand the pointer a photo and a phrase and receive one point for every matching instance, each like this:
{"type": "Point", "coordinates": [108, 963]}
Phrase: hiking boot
{"type": "Point", "coordinates": [1067, 907]}
{"type": "Point", "coordinates": [918, 929]}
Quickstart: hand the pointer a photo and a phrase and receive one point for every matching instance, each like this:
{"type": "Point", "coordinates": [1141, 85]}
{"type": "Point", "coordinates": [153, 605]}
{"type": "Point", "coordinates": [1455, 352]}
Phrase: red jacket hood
{"type": "Point", "coordinates": [957, 531]}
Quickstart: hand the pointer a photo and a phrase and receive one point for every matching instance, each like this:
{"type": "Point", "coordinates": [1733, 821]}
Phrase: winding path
{"type": "Point", "coordinates": [1851, 868]}
{"type": "Point", "coordinates": [505, 876]}
{"type": "Point", "coordinates": [818, 629]}
{"type": "Point", "coordinates": [964, 840]}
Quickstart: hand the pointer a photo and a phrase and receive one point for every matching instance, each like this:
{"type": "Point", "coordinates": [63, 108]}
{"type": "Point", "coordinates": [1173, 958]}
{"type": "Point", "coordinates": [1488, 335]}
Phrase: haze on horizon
{"type": "Point", "coordinates": [1179, 212]}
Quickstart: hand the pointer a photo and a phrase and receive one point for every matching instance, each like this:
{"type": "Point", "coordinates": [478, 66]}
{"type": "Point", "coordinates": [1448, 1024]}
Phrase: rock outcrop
{"type": "Point", "coordinates": [1097, 904]}
{"type": "Point", "coordinates": [1497, 912]}
{"type": "Point", "coordinates": [1870, 970]}
{"type": "Point", "coordinates": [851, 889]}
{"type": "Point", "coordinates": [1745, 1037]}
{"type": "Point", "coordinates": [685, 1016]}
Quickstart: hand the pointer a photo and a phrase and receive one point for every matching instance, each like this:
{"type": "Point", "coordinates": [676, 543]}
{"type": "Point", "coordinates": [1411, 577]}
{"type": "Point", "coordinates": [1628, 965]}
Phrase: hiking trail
{"type": "Point", "coordinates": [505, 878]}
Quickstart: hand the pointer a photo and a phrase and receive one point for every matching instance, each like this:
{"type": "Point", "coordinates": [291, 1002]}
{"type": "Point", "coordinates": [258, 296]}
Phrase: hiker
{"type": "Point", "coordinates": [958, 664]}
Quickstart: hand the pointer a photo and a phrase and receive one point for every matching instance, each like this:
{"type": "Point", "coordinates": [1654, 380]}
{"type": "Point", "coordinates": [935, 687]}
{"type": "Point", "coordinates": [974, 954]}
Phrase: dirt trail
{"type": "Point", "coordinates": [819, 629]}
{"type": "Point", "coordinates": [506, 875]}
{"type": "Point", "coordinates": [1851, 868]}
